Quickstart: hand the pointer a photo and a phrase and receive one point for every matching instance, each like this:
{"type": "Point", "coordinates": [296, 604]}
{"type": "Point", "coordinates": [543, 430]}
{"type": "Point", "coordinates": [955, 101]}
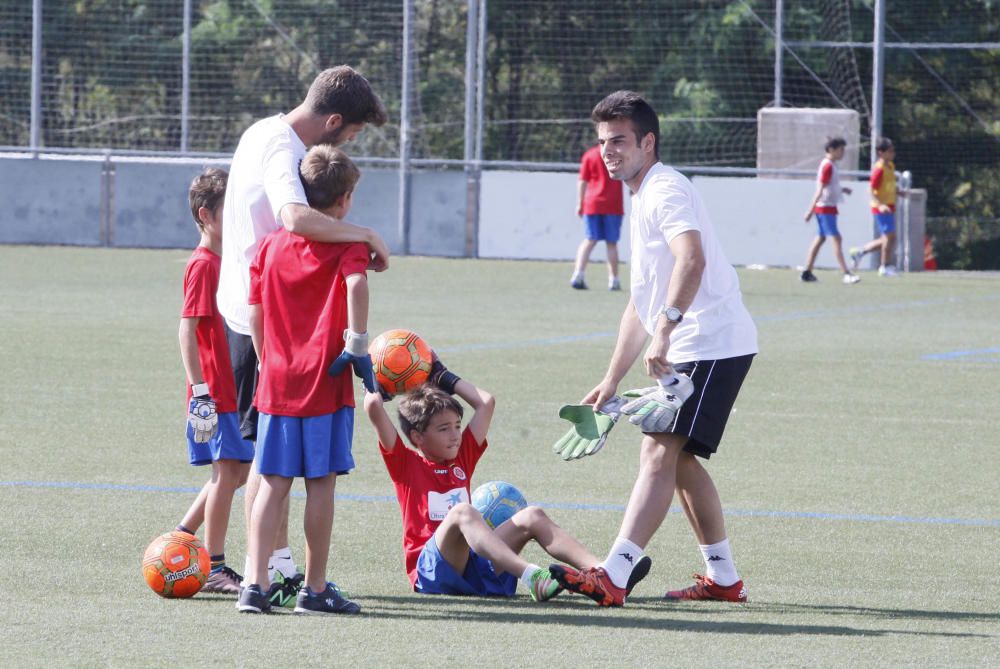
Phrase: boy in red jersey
{"type": "Point", "coordinates": [308, 306]}
{"type": "Point", "coordinates": [824, 205]}
{"type": "Point", "coordinates": [882, 186]}
{"type": "Point", "coordinates": [599, 201]}
{"type": "Point", "coordinates": [213, 431]}
{"type": "Point", "coordinates": [449, 548]}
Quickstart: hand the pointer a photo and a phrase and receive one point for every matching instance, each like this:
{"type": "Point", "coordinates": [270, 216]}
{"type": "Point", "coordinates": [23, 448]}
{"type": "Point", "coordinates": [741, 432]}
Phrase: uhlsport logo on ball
{"type": "Point", "coordinates": [497, 501]}
{"type": "Point", "coordinates": [176, 565]}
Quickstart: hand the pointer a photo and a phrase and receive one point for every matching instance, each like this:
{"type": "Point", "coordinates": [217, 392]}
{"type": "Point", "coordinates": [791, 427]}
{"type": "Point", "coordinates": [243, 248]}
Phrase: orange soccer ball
{"type": "Point", "coordinates": [401, 359]}
{"type": "Point", "coordinates": [176, 564]}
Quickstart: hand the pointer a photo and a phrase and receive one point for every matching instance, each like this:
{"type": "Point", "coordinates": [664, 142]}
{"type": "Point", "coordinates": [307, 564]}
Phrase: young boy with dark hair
{"type": "Point", "coordinates": [824, 205]}
{"type": "Point", "coordinates": [882, 186]}
{"type": "Point", "coordinates": [213, 431]}
{"type": "Point", "coordinates": [448, 547]}
{"type": "Point", "coordinates": [308, 307]}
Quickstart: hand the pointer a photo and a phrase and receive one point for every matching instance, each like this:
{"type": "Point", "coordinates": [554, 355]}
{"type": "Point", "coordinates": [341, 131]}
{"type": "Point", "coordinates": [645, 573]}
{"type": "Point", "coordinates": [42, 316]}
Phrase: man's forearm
{"type": "Point", "coordinates": [631, 338]}
{"type": "Point", "coordinates": [317, 226]}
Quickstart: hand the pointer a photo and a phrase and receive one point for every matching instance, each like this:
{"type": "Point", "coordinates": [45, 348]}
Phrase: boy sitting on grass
{"type": "Point", "coordinates": [449, 548]}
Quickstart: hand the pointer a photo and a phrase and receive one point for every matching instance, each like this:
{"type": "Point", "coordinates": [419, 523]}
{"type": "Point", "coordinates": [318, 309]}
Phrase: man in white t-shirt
{"type": "Point", "coordinates": [686, 296]}
{"type": "Point", "coordinates": [265, 193]}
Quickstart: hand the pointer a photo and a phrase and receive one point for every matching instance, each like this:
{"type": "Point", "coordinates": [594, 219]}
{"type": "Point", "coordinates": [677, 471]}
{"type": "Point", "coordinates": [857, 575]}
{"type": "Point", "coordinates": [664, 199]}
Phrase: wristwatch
{"type": "Point", "coordinates": [673, 314]}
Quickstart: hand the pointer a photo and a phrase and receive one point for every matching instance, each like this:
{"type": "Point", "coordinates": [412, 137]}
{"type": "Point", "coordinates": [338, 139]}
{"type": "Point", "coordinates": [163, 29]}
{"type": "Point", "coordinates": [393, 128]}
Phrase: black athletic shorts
{"type": "Point", "coordinates": [244, 360]}
{"type": "Point", "coordinates": [704, 415]}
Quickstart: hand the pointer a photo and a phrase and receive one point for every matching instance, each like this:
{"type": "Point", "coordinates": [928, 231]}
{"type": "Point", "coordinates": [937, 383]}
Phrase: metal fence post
{"type": "Point", "coordinates": [36, 77]}
{"type": "Point", "coordinates": [185, 76]}
{"type": "Point", "coordinates": [779, 49]}
{"type": "Point", "coordinates": [878, 76]}
{"type": "Point", "coordinates": [404, 129]}
{"type": "Point", "coordinates": [471, 181]}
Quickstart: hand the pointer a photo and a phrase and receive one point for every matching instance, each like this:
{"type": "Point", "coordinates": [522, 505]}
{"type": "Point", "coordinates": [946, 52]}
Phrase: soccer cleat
{"type": "Point", "coordinates": [253, 600]}
{"type": "Point", "coordinates": [887, 270]}
{"type": "Point", "coordinates": [639, 572]}
{"type": "Point", "coordinates": [223, 580]}
{"type": "Point", "coordinates": [593, 582]}
{"type": "Point", "coordinates": [543, 587]}
{"type": "Point", "coordinates": [856, 256]}
{"type": "Point", "coordinates": [807, 276]}
{"type": "Point", "coordinates": [326, 602]}
{"type": "Point", "coordinates": [705, 588]}
{"type": "Point", "coordinates": [579, 284]}
{"type": "Point", "coordinates": [284, 589]}
{"type": "Point", "coordinates": [851, 278]}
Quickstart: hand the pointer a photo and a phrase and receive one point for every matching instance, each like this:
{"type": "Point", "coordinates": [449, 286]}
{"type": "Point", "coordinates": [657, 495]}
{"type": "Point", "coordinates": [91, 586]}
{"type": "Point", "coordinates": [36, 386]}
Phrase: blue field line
{"type": "Point", "coordinates": [383, 499]}
{"type": "Point", "coordinates": [976, 355]}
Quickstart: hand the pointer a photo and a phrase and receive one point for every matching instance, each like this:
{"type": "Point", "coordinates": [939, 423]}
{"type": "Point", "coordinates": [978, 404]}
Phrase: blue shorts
{"type": "Point", "coordinates": [886, 222]}
{"type": "Point", "coordinates": [436, 577]}
{"type": "Point", "coordinates": [607, 227]}
{"type": "Point", "coordinates": [309, 447]}
{"type": "Point", "coordinates": [827, 225]}
{"type": "Point", "coordinates": [227, 444]}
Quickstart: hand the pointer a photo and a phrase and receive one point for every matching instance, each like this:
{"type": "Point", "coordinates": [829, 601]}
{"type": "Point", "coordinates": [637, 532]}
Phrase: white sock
{"type": "Point", "coordinates": [577, 276]}
{"type": "Point", "coordinates": [528, 571]}
{"type": "Point", "coordinates": [623, 556]}
{"type": "Point", "coordinates": [282, 560]}
{"type": "Point", "coordinates": [719, 563]}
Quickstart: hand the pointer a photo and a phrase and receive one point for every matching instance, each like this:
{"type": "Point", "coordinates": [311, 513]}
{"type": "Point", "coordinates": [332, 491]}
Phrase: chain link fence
{"type": "Point", "coordinates": [186, 77]}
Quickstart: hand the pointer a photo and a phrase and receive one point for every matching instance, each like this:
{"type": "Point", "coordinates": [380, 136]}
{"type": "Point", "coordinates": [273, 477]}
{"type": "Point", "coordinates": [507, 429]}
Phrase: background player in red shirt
{"type": "Point", "coordinates": [448, 547]}
{"type": "Point", "coordinates": [882, 186]}
{"type": "Point", "coordinates": [599, 201]}
{"type": "Point", "coordinates": [308, 304]}
{"type": "Point", "coordinates": [824, 205]}
{"type": "Point", "coordinates": [213, 431]}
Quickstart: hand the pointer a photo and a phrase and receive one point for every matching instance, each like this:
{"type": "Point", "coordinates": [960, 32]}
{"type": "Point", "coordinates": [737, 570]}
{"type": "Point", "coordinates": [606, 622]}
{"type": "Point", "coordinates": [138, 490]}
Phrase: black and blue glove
{"type": "Point", "coordinates": [355, 353]}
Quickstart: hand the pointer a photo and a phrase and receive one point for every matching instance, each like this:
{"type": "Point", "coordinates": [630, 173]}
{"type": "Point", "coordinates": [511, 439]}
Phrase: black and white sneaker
{"type": "Point", "coordinates": [253, 600]}
{"type": "Point", "coordinates": [639, 572]}
{"type": "Point", "coordinates": [328, 601]}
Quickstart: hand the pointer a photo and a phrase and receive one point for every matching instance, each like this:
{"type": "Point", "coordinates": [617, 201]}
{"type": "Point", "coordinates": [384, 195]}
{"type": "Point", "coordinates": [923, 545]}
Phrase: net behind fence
{"type": "Point", "coordinates": [111, 78]}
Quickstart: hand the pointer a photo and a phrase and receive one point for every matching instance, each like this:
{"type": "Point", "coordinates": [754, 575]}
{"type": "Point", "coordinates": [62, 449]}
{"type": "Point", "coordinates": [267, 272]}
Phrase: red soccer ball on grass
{"type": "Point", "coordinates": [176, 565]}
{"type": "Point", "coordinates": [401, 359]}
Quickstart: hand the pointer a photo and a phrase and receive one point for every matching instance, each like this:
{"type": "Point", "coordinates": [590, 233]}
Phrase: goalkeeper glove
{"type": "Point", "coordinates": [654, 409]}
{"type": "Point", "coordinates": [590, 428]}
{"type": "Point", "coordinates": [202, 418]}
{"type": "Point", "coordinates": [356, 353]}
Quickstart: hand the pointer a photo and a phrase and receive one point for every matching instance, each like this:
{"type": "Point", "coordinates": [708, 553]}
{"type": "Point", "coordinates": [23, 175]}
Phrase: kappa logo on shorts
{"type": "Point", "coordinates": [458, 472]}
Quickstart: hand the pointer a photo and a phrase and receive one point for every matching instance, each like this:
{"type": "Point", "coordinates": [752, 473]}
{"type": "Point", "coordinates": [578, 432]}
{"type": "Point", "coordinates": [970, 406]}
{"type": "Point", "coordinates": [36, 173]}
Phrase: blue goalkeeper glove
{"type": "Point", "coordinates": [203, 418]}
{"type": "Point", "coordinates": [655, 408]}
{"type": "Point", "coordinates": [590, 428]}
{"type": "Point", "coordinates": [356, 354]}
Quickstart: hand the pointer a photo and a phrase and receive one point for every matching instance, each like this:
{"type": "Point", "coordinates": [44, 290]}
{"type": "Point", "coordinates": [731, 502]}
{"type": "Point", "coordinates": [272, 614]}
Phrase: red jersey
{"type": "Point", "coordinates": [201, 280]}
{"type": "Point", "coordinates": [828, 178]}
{"type": "Point", "coordinates": [604, 194]}
{"type": "Point", "coordinates": [427, 490]}
{"type": "Point", "coordinates": [302, 289]}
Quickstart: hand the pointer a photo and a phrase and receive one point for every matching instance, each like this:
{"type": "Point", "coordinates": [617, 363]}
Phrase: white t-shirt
{"type": "Point", "coordinates": [264, 177]}
{"type": "Point", "coordinates": [716, 325]}
{"type": "Point", "coordinates": [831, 192]}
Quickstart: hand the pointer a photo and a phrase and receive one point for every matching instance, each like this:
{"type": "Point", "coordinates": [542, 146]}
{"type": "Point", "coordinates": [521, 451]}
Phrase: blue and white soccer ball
{"type": "Point", "coordinates": [497, 501]}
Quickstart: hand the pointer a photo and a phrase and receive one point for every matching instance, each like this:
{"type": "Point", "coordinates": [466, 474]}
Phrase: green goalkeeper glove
{"type": "Point", "coordinates": [590, 428]}
{"type": "Point", "coordinates": [654, 409]}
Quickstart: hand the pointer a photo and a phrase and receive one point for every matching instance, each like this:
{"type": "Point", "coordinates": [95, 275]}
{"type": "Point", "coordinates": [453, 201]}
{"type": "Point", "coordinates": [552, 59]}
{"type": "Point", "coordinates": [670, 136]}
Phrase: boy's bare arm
{"type": "Point", "coordinates": [187, 334]}
{"type": "Point", "coordinates": [384, 429]}
{"type": "Point", "coordinates": [317, 226]}
{"type": "Point", "coordinates": [482, 403]}
{"type": "Point", "coordinates": [257, 329]}
{"type": "Point", "coordinates": [357, 303]}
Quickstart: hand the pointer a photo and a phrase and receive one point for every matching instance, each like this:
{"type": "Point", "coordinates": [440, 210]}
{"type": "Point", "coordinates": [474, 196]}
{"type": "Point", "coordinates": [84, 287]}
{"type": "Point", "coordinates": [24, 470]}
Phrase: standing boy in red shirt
{"type": "Point", "coordinates": [308, 307]}
{"type": "Point", "coordinates": [599, 201]}
{"type": "Point", "coordinates": [213, 431]}
{"type": "Point", "coordinates": [882, 186]}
